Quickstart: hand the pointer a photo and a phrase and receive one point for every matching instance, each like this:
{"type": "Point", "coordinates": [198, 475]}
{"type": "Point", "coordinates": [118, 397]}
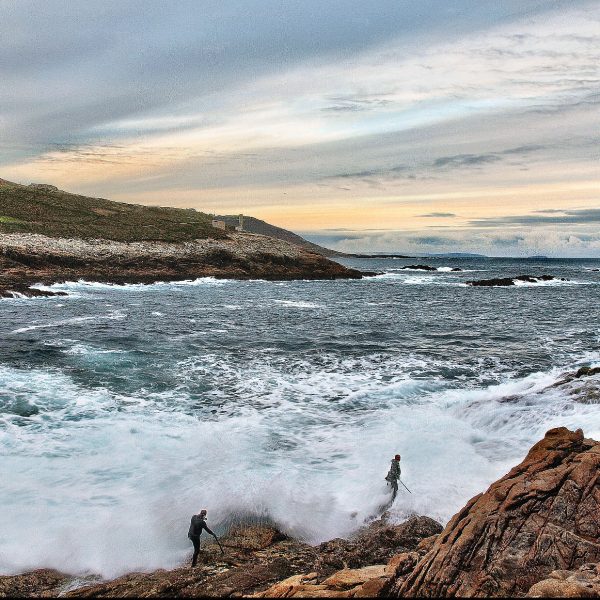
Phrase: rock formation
{"type": "Point", "coordinates": [543, 516]}
{"type": "Point", "coordinates": [507, 281]}
{"type": "Point", "coordinates": [583, 583]}
{"type": "Point", "coordinates": [371, 579]}
{"type": "Point", "coordinates": [420, 268]}
{"type": "Point", "coordinates": [26, 259]}
{"type": "Point", "coordinates": [255, 559]}
{"type": "Point", "coordinates": [375, 544]}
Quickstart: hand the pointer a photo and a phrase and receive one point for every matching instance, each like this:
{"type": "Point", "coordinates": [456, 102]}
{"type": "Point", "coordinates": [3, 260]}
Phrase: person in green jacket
{"type": "Point", "coordinates": [393, 475]}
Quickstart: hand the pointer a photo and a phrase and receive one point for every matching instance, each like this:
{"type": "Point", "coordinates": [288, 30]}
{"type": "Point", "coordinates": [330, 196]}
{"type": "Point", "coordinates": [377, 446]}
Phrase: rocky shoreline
{"type": "Point", "coordinates": [535, 532]}
{"type": "Point", "coordinates": [29, 259]}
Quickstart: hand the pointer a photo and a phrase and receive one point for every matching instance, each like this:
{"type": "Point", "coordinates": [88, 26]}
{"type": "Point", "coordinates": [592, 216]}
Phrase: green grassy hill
{"type": "Point", "coordinates": [48, 211]}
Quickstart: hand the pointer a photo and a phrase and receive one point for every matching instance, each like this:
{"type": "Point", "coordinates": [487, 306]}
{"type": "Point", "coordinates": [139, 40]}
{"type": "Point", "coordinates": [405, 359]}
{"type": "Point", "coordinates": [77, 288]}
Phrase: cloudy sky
{"type": "Point", "coordinates": [415, 126]}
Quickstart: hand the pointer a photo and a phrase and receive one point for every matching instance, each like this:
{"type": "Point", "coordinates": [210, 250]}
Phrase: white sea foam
{"type": "Point", "coordinates": [72, 321]}
{"type": "Point", "coordinates": [83, 285]}
{"type": "Point", "coordinates": [413, 279]}
{"type": "Point", "coordinates": [114, 478]}
{"type": "Point", "coordinates": [297, 304]}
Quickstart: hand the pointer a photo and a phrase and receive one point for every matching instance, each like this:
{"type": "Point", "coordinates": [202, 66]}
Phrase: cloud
{"type": "Point", "coordinates": [423, 168]}
{"type": "Point", "coordinates": [525, 242]}
{"type": "Point", "coordinates": [465, 160]}
{"type": "Point", "coordinates": [559, 217]}
{"type": "Point", "coordinates": [475, 160]}
{"type": "Point", "coordinates": [440, 215]}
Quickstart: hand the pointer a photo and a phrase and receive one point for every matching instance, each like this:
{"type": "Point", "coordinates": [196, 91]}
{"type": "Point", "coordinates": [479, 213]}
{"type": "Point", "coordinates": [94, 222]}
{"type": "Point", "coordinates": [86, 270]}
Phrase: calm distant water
{"type": "Point", "coordinates": [123, 410]}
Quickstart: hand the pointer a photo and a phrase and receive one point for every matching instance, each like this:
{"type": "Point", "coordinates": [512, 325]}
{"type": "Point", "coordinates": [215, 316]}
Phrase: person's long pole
{"type": "Point", "coordinates": [405, 486]}
{"type": "Point", "coordinates": [218, 542]}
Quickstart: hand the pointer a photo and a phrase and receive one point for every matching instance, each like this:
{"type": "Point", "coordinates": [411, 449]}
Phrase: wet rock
{"type": "Point", "coordinates": [375, 544]}
{"type": "Point", "coordinates": [456, 269]}
{"type": "Point", "coordinates": [420, 268]}
{"type": "Point", "coordinates": [43, 583]}
{"type": "Point", "coordinates": [252, 537]}
{"type": "Point", "coordinates": [540, 517]}
{"type": "Point", "coordinates": [582, 385]}
{"type": "Point", "coordinates": [20, 290]}
{"type": "Point", "coordinates": [587, 371]}
{"type": "Point", "coordinates": [507, 281]}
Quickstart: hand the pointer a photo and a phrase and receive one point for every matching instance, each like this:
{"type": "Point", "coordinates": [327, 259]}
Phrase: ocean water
{"type": "Point", "coordinates": [125, 409]}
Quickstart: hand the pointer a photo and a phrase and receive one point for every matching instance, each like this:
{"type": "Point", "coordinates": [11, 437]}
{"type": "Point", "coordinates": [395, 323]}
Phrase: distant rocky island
{"type": "Point", "coordinates": [49, 236]}
{"type": "Point", "coordinates": [533, 533]}
{"type": "Point", "coordinates": [509, 281]}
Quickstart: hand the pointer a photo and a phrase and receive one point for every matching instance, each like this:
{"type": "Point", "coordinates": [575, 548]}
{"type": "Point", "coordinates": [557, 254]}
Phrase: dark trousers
{"type": "Point", "coordinates": [394, 490]}
{"type": "Point", "coordinates": [196, 541]}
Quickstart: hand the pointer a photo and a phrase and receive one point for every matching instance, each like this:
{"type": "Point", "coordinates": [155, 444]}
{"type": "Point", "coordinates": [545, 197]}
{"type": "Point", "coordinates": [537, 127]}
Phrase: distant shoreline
{"type": "Point", "coordinates": [29, 259]}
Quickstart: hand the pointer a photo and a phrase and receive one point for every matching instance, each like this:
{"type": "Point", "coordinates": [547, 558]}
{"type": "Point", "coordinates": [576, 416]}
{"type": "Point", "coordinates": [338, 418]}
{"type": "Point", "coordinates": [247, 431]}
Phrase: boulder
{"type": "Point", "coordinates": [540, 517]}
{"type": "Point", "coordinates": [583, 583]}
{"type": "Point", "coordinates": [401, 564]}
{"type": "Point", "coordinates": [285, 588]}
{"type": "Point", "coordinates": [347, 578]}
{"type": "Point", "coordinates": [252, 537]}
{"type": "Point", "coordinates": [375, 544]}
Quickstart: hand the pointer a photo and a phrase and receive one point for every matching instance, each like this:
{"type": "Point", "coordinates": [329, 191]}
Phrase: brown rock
{"type": "Point", "coordinates": [554, 588]}
{"type": "Point", "coordinates": [584, 583]}
{"type": "Point", "coordinates": [347, 578]}
{"type": "Point", "coordinates": [541, 516]}
{"type": "Point", "coordinates": [319, 591]}
{"type": "Point", "coordinates": [35, 584]}
{"type": "Point", "coordinates": [401, 564]}
{"type": "Point", "coordinates": [375, 544]}
{"type": "Point", "coordinates": [371, 588]}
{"type": "Point", "coordinates": [285, 588]}
{"type": "Point", "coordinates": [252, 537]}
{"type": "Point", "coordinates": [424, 546]}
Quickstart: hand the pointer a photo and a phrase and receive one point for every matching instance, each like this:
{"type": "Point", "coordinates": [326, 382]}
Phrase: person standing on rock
{"type": "Point", "coordinates": [393, 475]}
{"type": "Point", "coordinates": [197, 524]}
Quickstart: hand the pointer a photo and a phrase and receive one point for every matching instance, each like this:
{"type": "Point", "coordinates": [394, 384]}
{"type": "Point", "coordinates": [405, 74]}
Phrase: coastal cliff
{"type": "Point", "coordinates": [49, 236]}
{"type": "Point", "coordinates": [534, 532]}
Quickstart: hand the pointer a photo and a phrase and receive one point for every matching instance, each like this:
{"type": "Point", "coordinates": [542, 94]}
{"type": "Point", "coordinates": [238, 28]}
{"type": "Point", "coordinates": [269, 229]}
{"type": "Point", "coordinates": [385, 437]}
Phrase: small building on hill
{"type": "Point", "coordinates": [240, 225]}
{"type": "Point", "coordinates": [219, 224]}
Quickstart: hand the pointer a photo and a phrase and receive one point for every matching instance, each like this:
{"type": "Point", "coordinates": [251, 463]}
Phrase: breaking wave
{"type": "Point", "coordinates": [126, 409]}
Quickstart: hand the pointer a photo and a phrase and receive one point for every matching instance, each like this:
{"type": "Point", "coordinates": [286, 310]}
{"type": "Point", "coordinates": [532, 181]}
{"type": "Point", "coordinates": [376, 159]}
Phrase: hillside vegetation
{"type": "Point", "coordinates": [48, 211]}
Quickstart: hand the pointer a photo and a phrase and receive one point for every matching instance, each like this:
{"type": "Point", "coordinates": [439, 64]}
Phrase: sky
{"type": "Point", "coordinates": [411, 126]}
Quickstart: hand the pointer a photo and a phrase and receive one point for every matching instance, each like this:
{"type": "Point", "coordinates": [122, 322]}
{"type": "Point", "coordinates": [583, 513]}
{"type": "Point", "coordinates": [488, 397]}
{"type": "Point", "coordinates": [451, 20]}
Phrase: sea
{"type": "Point", "coordinates": [126, 409]}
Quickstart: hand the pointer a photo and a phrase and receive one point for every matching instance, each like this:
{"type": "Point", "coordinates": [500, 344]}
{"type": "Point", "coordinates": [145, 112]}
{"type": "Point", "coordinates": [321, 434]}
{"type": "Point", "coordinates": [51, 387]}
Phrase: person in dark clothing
{"type": "Point", "coordinates": [393, 475]}
{"type": "Point", "coordinates": [197, 524]}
